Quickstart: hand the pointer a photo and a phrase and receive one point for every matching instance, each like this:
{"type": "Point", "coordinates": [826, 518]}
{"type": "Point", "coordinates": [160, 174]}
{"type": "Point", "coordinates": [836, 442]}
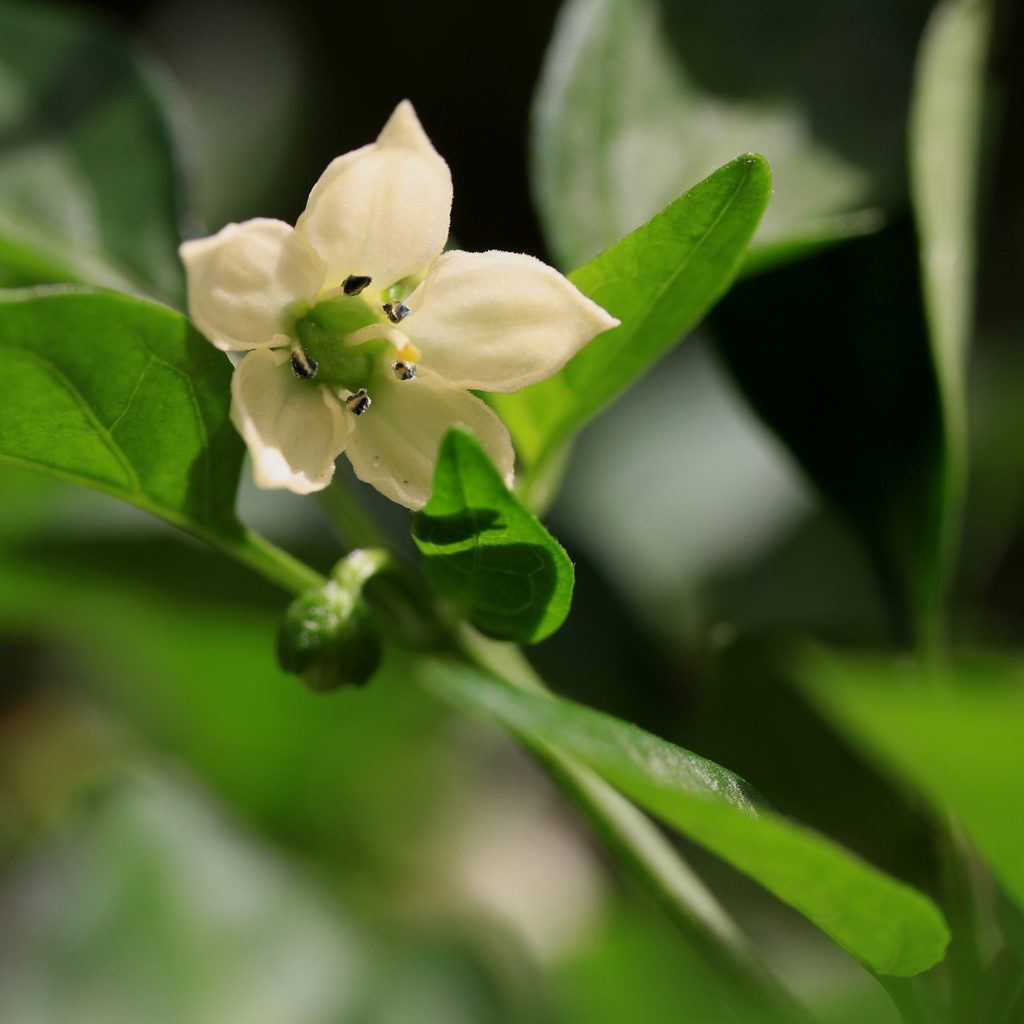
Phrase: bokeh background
{"type": "Point", "coordinates": [188, 836]}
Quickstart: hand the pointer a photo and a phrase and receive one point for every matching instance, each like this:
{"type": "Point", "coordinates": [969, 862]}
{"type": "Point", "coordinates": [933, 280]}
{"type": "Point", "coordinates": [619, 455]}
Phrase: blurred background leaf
{"type": "Point", "coordinates": [958, 743]}
{"type": "Point", "coordinates": [90, 184]}
{"type": "Point", "coordinates": [946, 127]}
{"type": "Point", "coordinates": [620, 131]}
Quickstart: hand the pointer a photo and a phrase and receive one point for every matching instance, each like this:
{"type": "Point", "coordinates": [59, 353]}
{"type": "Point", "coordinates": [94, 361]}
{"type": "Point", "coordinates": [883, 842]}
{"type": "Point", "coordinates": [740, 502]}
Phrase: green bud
{"type": "Point", "coordinates": [330, 636]}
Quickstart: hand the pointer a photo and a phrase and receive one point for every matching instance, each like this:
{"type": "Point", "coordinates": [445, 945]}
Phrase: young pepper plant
{"type": "Point", "coordinates": [120, 394]}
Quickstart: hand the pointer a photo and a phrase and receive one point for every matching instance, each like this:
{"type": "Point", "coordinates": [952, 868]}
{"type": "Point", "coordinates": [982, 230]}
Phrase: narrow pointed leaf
{"type": "Point", "coordinates": [659, 281]}
{"type": "Point", "coordinates": [887, 925]}
{"type": "Point", "coordinates": [486, 552]}
{"type": "Point", "coordinates": [945, 137]}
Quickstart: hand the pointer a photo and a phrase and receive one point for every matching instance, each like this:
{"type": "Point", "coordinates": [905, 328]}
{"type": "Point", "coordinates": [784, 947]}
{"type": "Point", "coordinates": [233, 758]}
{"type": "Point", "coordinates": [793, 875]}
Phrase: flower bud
{"type": "Point", "coordinates": [329, 635]}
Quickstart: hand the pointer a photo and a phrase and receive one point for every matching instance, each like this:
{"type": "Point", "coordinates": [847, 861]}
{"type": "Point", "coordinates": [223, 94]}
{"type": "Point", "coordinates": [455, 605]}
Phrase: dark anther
{"type": "Point", "coordinates": [303, 364]}
{"type": "Point", "coordinates": [404, 370]}
{"type": "Point", "coordinates": [358, 403]}
{"type": "Point", "coordinates": [353, 285]}
{"type": "Point", "coordinates": [396, 311]}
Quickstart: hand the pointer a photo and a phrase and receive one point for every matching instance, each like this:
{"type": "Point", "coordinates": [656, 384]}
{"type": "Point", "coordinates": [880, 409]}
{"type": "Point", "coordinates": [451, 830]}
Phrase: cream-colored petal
{"type": "Point", "coordinates": [294, 428]}
{"type": "Point", "coordinates": [396, 443]}
{"type": "Point", "coordinates": [247, 282]}
{"type": "Point", "coordinates": [498, 321]}
{"type": "Point", "coordinates": [381, 211]}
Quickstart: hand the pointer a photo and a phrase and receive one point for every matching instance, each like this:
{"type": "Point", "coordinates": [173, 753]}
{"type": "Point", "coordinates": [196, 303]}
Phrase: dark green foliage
{"type": "Point", "coordinates": [833, 354]}
{"type": "Point", "coordinates": [91, 188]}
{"type": "Point", "coordinates": [486, 552]}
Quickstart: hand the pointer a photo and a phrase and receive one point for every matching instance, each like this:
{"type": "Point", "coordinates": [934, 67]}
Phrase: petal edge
{"type": "Point", "coordinates": [294, 429]}
{"type": "Point", "coordinates": [499, 321]}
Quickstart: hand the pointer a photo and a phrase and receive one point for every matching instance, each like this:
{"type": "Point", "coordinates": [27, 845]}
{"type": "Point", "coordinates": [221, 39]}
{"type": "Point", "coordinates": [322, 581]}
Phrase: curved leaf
{"type": "Point", "coordinates": [659, 281]}
{"type": "Point", "coordinates": [887, 925]}
{"type": "Point", "coordinates": [487, 553]}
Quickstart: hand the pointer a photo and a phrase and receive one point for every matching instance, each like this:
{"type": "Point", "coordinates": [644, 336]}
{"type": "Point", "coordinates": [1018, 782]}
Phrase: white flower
{"type": "Point", "coordinates": [363, 337]}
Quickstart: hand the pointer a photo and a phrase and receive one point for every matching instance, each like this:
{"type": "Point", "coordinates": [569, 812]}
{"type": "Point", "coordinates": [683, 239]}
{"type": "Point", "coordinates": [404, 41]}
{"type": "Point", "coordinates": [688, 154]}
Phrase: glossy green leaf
{"type": "Point", "coordinates": [620, 130]}
{"type": "Point", "coordinates": [89, 180]}
{"type": "Point", "coordinates": [659, 281]}
{"type": "Point", "coordinates": [887, 925]}
{"type": "Point", "coordinates": [487, 553]}
{"type": "Point", "coordinates": [945, 136]}
{"type": "Point", "coordinates": [958, 740]}
{"type": "Point", "coordinates": [123, 396]}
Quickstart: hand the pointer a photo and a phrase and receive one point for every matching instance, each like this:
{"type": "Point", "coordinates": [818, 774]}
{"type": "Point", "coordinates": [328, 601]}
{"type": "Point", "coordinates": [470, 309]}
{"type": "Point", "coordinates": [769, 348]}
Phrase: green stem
{"type": "Point", "coordinates": [352, 526]}
{"type": "Point", "coordinates": [641, 849]}
{"type": "Point", "coordinates": [958, 899]}
{"type": "Point", "coordinates": [269, 561]}
{"type": "Point", "coordinates": [902, 993]}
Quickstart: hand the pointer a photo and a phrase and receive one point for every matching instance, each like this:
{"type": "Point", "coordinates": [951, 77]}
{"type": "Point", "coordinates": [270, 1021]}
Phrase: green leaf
{"type": "Point", "coordinates": [888, 926]}
{"type": "Point", "coordinates": [487, 553]}
{"type": "Point", "coordinates": [620, 130]}
{"type": "Point", "coordinates": [123, 396]}
{"type": "Point", "coordinates": [659, 281]}
{"type": "Point", "coordinates": [958, 740]}
{"type": "Point", "coordinates": [89, 180]}
{"type": "Point", "coordinates": [945, 136]}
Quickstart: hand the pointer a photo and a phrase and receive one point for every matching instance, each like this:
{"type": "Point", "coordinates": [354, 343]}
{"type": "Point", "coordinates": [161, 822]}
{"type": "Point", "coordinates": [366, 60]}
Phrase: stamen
{"type": "Point", "coordinates": [404, 370]}
{"type": "Point", "coordinates": [358, 403]}
{"type": "Point", "coordinates": [353, 284]}
{"type": "Point", "coordinates": [396, 311]}
{"type": "Point", "coordinates": [303, 364]}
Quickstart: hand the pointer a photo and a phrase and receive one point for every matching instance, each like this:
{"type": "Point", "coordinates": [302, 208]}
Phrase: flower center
{"type": "Point", "coordinates": [321, 336]}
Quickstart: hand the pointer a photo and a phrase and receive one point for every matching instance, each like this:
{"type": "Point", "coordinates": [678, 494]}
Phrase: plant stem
{"type": "Point", "coordinates": [901, 992]}
{"type": "Point", "coordinates": [270, 561]}
{"type": "Point", "coordinates": [958, 899]}
{"type": "Point", "coordinates": [352, 526]}
{"type": "Point", "coordinates": [644, 853]}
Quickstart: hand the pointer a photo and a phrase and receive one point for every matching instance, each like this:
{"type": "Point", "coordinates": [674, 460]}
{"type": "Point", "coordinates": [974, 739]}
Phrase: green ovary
{"type": "Point", "coordinates": [322, 332]}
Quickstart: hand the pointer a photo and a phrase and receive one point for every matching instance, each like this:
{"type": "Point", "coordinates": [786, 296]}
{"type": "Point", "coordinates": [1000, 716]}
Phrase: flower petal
{"type": "Point", "coordinates": [395, 446]}
{"type": "Point", "coordinates": [381, 211]}
{"type": "Point", "coordinates": [498, 321]}
{"type": "Point", "coordinates": [294, 428]}
{"type": "Point", "coordinates": [247, 282]}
